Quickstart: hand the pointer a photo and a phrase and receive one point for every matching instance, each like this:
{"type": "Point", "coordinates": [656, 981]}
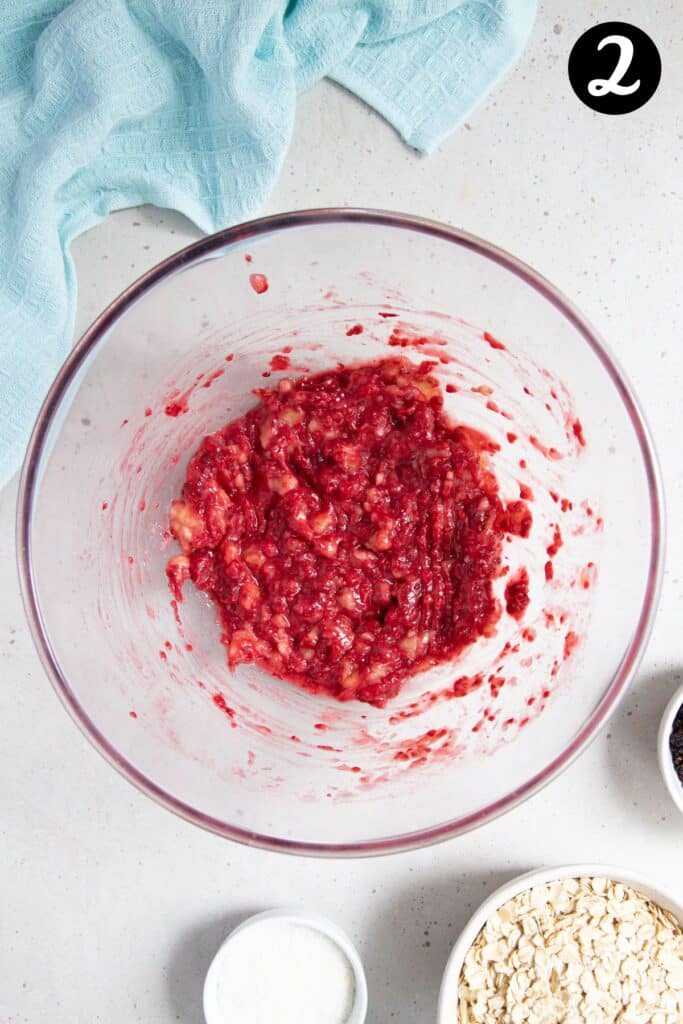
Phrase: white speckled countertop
{"type": "Point", "coordinates": [112, 907]}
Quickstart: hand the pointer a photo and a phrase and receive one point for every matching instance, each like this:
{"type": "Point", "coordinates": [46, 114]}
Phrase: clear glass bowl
{"type": "Point", "coordinates": [266, 763]}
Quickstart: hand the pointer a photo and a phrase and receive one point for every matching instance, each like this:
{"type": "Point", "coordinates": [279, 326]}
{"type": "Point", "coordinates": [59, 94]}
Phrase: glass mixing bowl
{"type": "Point", "coordinates": [175, 357]}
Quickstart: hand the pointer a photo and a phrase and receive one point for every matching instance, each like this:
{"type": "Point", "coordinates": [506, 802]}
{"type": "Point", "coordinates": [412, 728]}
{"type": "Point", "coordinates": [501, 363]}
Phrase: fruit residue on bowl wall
{"type": "Point", "coordinates": [348, 532]}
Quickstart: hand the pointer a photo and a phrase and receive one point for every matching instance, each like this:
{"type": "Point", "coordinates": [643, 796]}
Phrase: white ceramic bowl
{"type": "Point", "coordinates": [448, 997]}
{"type": "Point", "coordinates": [319, 923]}
{"type": "Point", "coordinates": [673, 783]}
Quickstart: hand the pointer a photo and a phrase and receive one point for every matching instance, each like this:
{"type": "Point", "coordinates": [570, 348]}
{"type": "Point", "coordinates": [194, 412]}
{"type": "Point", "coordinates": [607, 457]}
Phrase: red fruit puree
{"type": "Point", "coordinates": [347, 531]}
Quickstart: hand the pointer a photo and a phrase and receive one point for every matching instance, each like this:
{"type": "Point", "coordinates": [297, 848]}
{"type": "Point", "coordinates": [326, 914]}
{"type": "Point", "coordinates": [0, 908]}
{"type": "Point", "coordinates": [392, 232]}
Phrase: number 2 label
{"type": "Point", "coordinates": [614, 68]}
{"type": "Point", "coordinates": [602, 86]}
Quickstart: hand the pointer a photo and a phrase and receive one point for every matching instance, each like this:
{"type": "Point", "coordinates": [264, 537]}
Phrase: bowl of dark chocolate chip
{"type": "Point", "coordinates": [671, 747]}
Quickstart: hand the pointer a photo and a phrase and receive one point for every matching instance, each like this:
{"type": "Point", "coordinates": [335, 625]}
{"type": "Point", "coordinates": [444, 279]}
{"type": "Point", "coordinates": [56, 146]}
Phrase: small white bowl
{"type": "Point", "coordinates": [307, 919]}
{"type": "Point", "coordinates": [448, 996]}
{"type": "Point", "coordinates": [673, 783]}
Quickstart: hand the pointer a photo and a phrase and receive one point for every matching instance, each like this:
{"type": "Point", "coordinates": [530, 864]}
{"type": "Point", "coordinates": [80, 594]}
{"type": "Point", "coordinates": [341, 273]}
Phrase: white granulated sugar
{"type": "Point", "coordinates": [280, 972]}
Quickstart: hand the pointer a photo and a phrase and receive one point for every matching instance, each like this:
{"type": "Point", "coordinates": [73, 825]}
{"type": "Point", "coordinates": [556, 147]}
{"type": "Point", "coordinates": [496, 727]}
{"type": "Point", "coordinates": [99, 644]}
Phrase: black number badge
{"type": "Point", "coordinates": [614, 68]}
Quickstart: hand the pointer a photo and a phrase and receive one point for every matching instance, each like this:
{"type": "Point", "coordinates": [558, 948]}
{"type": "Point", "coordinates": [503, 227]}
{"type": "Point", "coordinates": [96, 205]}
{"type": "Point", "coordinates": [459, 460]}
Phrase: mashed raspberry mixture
{"type": "Point", "coordinates": [346, 530]}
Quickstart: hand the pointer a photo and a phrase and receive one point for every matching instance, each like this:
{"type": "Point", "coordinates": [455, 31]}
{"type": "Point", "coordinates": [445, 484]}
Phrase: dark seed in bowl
{"type": "Point", "coordinates": [676, 743]}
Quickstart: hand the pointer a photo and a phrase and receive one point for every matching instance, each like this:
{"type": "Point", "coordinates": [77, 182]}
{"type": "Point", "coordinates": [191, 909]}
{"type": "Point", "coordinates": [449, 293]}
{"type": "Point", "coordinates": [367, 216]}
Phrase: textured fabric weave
{"type": "Point", "coordinates": [189, 104]}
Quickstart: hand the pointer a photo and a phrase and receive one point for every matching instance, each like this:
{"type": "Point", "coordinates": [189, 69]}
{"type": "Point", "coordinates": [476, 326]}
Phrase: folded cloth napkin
{"type": "Point", "coordinates": [189, 104]}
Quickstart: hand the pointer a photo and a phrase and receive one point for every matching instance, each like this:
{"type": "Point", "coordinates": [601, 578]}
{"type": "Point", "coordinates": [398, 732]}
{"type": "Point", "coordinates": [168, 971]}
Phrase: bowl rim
{"type": "Point", "coordinates": [666, 765]}
{"type": "Point", "coordinates": [239, 234]}
{"type": "Point", "coordinates": [310, 919]}
{"type": "Point", "coordinates": [448, 993]}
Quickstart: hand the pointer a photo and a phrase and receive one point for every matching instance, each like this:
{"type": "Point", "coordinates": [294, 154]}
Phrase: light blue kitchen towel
{"type": "Point", "coordinates": [189, 104]}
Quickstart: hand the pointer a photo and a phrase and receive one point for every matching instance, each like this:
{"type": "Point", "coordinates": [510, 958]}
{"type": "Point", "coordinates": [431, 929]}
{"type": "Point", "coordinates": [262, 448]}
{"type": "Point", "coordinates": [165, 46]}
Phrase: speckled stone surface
{"type": "Point", "coordinates": [111, 907]}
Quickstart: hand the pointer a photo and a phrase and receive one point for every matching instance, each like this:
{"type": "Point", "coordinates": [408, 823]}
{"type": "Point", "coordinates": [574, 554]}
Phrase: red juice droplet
{"type": "Point", "coordinates": [493, 342]}
{"type": "Point", "coordinates": [259, 282]}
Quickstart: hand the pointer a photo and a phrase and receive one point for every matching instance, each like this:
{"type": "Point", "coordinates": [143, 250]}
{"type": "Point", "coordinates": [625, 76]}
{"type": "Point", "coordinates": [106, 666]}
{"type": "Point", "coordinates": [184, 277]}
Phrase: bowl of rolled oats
{"type": "Point", "coordinates": [582, 944]}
